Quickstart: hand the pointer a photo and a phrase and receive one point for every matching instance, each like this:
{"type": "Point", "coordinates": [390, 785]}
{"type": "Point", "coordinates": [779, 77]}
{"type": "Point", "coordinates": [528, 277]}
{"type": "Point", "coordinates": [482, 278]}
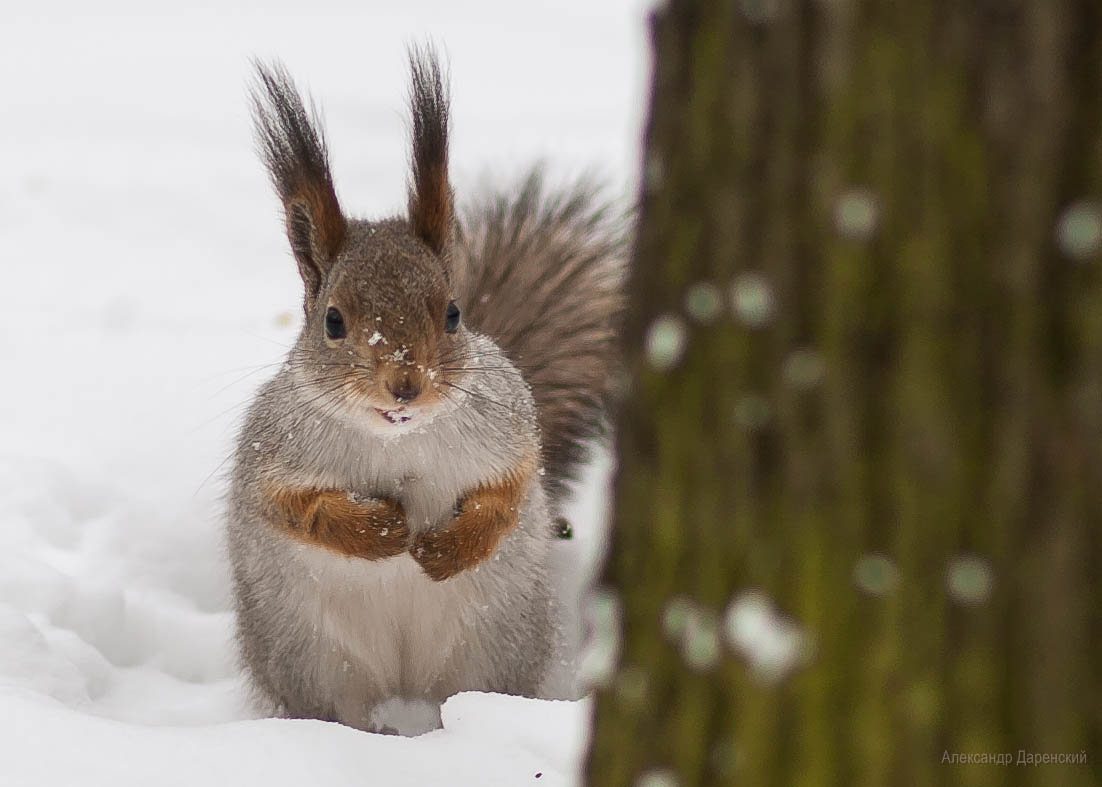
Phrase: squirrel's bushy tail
{"type": "Point", "coordinates": [543, 275]}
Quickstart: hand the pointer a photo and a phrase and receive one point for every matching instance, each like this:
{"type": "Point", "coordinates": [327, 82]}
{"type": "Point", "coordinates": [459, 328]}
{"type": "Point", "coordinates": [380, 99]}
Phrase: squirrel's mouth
{"type": "Point", "coordinates": [399, 415]}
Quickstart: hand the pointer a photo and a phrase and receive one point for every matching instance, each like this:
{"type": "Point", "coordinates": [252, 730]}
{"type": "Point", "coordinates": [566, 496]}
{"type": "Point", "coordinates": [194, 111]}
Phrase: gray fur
{"type": "Point", "coordinates": [325, 636]}
{"type": "Point", "coordinates": [543, 274]}
{"type": "Point", "coordinates": [332, 637]}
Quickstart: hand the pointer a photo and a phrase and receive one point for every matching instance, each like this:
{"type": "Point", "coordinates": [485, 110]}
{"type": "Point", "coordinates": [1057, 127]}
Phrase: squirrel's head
{"type": "Point", "coordinates": [383, 333]}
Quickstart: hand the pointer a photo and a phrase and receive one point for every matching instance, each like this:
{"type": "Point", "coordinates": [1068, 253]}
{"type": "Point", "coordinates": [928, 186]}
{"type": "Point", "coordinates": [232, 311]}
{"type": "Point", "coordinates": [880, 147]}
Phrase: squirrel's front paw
{"type": "Point", "coordinates": [439, 553]}
{"type": "Point", "coordinates": [372, 528]}
{"type": "Point", "coordinates": [472, 536]}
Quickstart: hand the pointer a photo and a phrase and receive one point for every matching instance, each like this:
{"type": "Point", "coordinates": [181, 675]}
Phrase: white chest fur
{"type": "Point", "coordinates": [427, 470]}
{"type": "Point", "coordinates": [392, 624]}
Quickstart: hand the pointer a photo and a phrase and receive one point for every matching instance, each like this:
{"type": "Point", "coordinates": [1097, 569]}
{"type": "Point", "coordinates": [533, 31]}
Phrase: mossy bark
{"type": "Point", "coordinates": [917, 185]}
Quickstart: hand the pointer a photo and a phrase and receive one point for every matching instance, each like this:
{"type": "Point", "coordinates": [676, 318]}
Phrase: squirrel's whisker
{"type": "Point", "coordinates": [478, 395]}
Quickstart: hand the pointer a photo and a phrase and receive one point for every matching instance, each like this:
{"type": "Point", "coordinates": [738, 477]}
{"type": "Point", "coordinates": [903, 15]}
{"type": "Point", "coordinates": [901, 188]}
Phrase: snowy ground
{"type": "Point", "coordinates": [148, 291]}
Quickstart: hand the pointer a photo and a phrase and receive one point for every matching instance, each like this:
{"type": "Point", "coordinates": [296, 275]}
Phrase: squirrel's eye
{"type": "Point", "coordinates": [451, 318]}
{"type": "Point", "coordinates": [334, 324]}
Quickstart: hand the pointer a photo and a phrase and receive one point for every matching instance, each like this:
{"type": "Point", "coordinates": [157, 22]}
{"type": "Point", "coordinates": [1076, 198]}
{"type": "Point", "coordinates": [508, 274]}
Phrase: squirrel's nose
{"type": "Point", "coordinates": [404, 388]}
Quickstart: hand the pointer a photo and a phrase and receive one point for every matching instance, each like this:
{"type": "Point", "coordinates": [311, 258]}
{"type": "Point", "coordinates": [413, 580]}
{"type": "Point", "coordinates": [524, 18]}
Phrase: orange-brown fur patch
{"type": "Point", "coordinates": [485, 516]}
{"type": "Point", "coordinates": [430, 207]}
{"type": "Point", "coordinates": [328, 221]}
{"type": "Point", "coordinates": [393, 373]}
{"type": "Point", "coordinates": [370, 529]}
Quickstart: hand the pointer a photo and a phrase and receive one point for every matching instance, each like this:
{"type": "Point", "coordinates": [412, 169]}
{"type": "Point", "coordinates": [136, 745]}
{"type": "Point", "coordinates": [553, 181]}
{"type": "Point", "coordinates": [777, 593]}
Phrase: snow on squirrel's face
{"type": "Point", "coordinates": [383, 339]}
{"type": "Point", "coordinates": [382, 336]}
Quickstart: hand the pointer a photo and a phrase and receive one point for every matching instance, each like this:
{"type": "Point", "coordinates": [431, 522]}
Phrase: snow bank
{"type": "Point", "coordinates": [488, 740]}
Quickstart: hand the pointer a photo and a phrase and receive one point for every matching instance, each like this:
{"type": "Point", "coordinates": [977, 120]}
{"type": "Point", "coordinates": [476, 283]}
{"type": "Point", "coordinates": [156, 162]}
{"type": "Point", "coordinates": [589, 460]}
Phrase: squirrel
{"type": "Point", "coordinates": [393, 496]}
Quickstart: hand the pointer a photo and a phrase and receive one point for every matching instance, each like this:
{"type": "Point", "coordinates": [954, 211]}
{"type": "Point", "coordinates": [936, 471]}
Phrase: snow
{"type": "Point", "coordinates": [772, 643]}
{"type": "Point", "coordinates": [487, 740]}
{"type": "Point", "coordinates": [149, 291]}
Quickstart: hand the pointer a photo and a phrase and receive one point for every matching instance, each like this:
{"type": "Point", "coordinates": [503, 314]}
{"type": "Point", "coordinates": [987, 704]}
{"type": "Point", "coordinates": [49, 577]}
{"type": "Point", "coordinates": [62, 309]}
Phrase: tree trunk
{"type": "Point", "coordinates": [857, 511]}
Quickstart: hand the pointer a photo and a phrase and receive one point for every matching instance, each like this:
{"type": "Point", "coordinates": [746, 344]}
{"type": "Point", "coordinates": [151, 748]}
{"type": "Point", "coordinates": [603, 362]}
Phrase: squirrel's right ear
{"type": "Point", "coordinates": [430, 193]}
{"type": "Point", "coordinates": [293, 147]}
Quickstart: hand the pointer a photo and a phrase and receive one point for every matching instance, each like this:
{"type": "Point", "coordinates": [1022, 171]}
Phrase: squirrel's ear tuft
{"type": "Point", "coordinates": [292, 144]}
{"type": "Point", "coordinates": [430, 195]}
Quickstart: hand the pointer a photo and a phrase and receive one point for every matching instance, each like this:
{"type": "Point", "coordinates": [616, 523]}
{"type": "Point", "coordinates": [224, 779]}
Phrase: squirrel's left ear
{"type": "Point", "coordinates": [293, 146]}
{"type": "Point", "coordinates": [431, 211]}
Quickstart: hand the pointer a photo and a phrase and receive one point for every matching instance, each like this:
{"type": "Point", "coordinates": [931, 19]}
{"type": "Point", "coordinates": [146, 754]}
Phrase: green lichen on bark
{"type": "Point", "coordinates": [896, 171]}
